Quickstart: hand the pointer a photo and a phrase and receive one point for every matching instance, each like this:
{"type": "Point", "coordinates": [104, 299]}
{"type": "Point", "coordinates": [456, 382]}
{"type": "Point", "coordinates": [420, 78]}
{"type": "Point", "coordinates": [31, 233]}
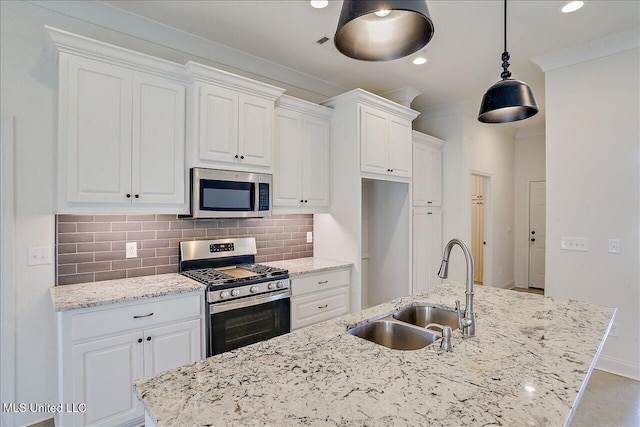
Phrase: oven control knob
{"type": "Point", "coordinates": [235, 293]}
{"type": "Point", "coordinates": [279, 285]}
{"type": "Point", "coordinates": [253, 289]}
{"type": "Point", "coordinates": [271, 285]}
{"type": "Point", "coordinates": [224, 294]}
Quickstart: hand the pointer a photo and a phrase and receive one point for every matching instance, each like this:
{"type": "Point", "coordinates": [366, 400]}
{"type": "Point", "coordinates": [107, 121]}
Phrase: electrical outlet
{"type": "Point", "coordinates": [615, 331]}
{"type": "Point", "coordinates": [39, 256]}
{"type": "Point", "coordinates": [309, 236]}
{"type": "Point", "coordinates": [132, 249]}
{"type": "Point", "coordinates": [574, 244]}
{"type": "Point", "coordinates": [614, 246]}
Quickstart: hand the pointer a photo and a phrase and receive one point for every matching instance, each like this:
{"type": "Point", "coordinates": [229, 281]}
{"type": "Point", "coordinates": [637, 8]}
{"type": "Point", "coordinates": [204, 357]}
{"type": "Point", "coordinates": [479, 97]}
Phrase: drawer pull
{"type": "Point", "coordinates": [140, 317]}
{"type": "Point", "coordinates": [323, 282]}
{"type": "Point", "coordinates": [323, 306]}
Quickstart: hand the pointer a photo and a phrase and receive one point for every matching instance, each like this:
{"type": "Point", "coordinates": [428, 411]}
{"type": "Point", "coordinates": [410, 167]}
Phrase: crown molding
{"type": "Point", "coordinates": [591, 50]}
{"type": "Point", "coordinates": [458, 107]}
{"type": "Point", "coordinates": [295, 104]}
{"type": "Point", "coordinates": [424, 138]}
{"type": "Point", "coordinates": [403, 96]}
{"type": "Point", "coordinates": [361, 96]}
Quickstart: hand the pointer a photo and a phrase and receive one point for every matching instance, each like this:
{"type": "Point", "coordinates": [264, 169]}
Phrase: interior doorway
{"type": "Point", "coordinates": [537, 233]}
{"type": "Point", "coordinates": [478, 204]}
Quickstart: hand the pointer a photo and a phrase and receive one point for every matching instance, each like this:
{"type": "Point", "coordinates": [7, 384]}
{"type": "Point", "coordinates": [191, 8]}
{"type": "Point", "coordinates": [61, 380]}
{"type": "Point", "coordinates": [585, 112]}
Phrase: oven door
{"type": "Point", "coordinates": [238, 323]}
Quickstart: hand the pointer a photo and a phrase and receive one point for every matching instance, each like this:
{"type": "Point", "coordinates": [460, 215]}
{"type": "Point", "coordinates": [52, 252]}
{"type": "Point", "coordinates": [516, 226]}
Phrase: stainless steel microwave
{"type": "Point", "coordinates": [228, 194]}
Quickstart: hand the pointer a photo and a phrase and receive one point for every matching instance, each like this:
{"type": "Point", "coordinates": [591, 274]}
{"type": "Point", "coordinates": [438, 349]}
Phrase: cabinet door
{"type": "Point", "coordinates": [420, 179]}
{"type": "Point", "coordinates": [434, 197]}
{"type": "Point", "coordinates": [255, 139]}
{"type": "Point", "coordinates": [158, 140]}
{"type": "Point", "coordinates": [316, 136]}
{"type": "Point", "coordinates": [288, 161]}
{"type": "Point", "coordinates": [218, 123]}
{"type": "Point", "coordinates": [373, 141]}
{"type": "Point", "coordinates": [97, 105]}
{"type": "Point", "coordinates": [400, 147]}
{"type": "Point", "coordinates": [103, 374]}
{"type": "Point", "coordinates": [427, 248]}
{"type": "Point", "coordinates": [171, 346]}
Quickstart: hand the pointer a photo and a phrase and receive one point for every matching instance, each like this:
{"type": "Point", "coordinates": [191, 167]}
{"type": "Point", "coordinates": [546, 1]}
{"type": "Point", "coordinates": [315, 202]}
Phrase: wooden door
{"type": "Point", "coordinates": [316, 136]}
{"type": "Point", "coordinates": [218, 124]}
{"type": "Point", "coordinates": [255, 139]}
{"type": "Point", "coordinates": [171, 346]}
{"type": "Point", "coordinates": [537, 233]}
{"type": "Point", "coordinates": [477, 226]}
{"type": "Point", "coordinates": [373, 141]}
{"type": "Point", "coordinates": [288, 159]}
{"type": "Point", "coordinates": [399, 147]}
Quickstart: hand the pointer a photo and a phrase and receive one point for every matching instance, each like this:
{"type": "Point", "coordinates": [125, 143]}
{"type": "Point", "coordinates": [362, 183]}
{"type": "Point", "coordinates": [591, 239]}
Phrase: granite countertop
{"type": "Point", "coordinates": [82, 295]}
{"type": "Point", "coordinates": [528, 365]}
{"type": "Point", "coordinates": [300, 266]}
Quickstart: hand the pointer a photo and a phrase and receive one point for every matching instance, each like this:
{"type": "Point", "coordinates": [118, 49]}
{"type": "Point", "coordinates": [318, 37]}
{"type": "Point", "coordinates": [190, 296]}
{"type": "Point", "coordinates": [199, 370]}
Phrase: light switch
{"type": "Point", "coordinates": [39, 255]}
{"type": "Point", "coordinates": [574, 244]}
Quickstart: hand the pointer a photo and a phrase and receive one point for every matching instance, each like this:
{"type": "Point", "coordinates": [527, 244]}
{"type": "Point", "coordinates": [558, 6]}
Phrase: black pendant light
{"type": "Point", "coordinates": [382, 30]}
{"type": "Point", "coordinates": [508, 100]}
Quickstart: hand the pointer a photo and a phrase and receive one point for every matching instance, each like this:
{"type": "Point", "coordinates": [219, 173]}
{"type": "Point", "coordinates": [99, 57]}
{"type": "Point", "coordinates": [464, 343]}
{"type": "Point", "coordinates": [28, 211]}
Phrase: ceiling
{"type": "Point", "coordinates": [463, 56]}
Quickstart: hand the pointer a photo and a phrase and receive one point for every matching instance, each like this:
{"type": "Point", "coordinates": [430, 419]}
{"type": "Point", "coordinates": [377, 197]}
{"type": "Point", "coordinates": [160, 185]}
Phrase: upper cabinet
{"type": "Point", "coordinates": [427, 170]}
{"type": "Point", "coordinates": [301, 178]}
{"type": "Point", "coordinates": [381, 130]}
{"type": "Point", "coordinates": [121, 129]}
{"type": "Point", "coordinates": [230, 120]}
{"type": "Point", "coordinates": [385, 143]}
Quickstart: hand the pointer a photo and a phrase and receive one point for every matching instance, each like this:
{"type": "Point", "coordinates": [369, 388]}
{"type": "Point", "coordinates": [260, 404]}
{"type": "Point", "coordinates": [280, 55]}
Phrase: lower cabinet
{"type": "Point", "coordinates": [427, 247]}
{"type": "Point", "coordinates": [99, 371]}
{"type": "Point", "coordinates": [317, 297]}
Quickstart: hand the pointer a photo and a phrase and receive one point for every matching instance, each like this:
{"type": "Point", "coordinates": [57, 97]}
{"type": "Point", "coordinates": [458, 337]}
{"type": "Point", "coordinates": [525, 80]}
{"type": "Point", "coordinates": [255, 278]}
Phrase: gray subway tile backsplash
{"type": "Point", "coordinates": [92, 247]}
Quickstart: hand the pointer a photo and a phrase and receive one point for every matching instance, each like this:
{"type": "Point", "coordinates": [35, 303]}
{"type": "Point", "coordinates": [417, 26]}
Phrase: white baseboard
{"type": "Point", "coordinates": [619, 367]}
{"type": "Point", "coordinates": [508, 285]}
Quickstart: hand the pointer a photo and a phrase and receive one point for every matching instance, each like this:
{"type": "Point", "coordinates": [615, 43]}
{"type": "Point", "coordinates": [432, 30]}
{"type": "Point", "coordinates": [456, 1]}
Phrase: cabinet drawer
{"type": "Point", "coordinates": [319, 282]}
{"type": "Point", "coordinates": [120, 317]}
{"type": "Point", "coordinates": [318, 307]}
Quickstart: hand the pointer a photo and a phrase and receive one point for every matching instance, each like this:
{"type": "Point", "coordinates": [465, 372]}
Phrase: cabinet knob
{"type": "Point", "coordinates": [137, 196]}
{"type": "Point", "coordinates": [533, 240]}
{"type": "Point", "coordinates": [241, 157]}
{"type": "Point", "coordinates": [306, 201]}
{"type": "Point", "coordinates": [301, 201]}
{"type": "Point", "coordinates": [533, 232]}
{"type": "Point", "coordinates": [128, 196]}
{"type": "Point", "coordinates": [139, 340]}
{"type": "Point", "coordinates": [148, 338]}
{"type": "Point", "coordinates": [236, 156]}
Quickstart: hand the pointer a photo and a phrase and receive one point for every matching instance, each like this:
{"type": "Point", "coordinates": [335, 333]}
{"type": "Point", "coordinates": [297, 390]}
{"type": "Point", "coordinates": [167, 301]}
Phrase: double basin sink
{"type": "Point", "coordinates": [405, 329]}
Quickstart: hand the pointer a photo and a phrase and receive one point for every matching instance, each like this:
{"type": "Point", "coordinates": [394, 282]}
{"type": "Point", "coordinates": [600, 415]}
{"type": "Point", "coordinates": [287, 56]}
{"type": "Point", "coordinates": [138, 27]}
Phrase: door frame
{"type": "Point", "coordinates": [487, 251]}
{"type": "Point", "coordinates": [528, 211]}
{"type": "Point", "coordinates": [7, 285]}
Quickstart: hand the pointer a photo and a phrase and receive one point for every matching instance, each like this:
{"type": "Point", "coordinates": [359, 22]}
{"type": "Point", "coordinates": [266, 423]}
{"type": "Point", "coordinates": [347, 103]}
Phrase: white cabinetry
{"type": "Point", "coordinates": [385, 143]}
{"type": "Point", "coordinates": [427, 170]}
{"type": "Point", "coordinates": [230, 120]}
{"type": "Point", "coordinates": [427, 212]}
{"type": "Point", "coordinates": [317, 297]}
{"type": "Point", "coordinates": [301, 175]}
{"type": "Point", "coordinates": [103, 350]}
{"type": "Point", "coordinates": [121, 129]}
{"type": "Point", "coordinates": [427, 247]}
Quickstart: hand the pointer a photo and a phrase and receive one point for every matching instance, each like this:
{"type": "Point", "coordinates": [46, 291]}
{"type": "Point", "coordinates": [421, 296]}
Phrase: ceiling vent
{"type": "Point", "coordinates": [322, 40]}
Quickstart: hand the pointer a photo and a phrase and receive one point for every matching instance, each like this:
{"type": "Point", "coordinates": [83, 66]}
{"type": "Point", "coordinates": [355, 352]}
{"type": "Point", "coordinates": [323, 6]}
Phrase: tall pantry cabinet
{"type": "Point", "coordinates": [426, 210]}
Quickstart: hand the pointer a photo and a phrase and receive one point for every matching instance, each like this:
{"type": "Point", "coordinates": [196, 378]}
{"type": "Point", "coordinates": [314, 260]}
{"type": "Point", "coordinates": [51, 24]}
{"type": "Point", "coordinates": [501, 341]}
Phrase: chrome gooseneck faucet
{"type": "Point", "coordinates": [468, 323]}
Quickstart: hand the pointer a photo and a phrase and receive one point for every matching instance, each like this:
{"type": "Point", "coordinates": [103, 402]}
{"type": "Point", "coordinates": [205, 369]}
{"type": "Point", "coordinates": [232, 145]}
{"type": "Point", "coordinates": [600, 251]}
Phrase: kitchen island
{"type": "Point", "coordinates": [528, 365]}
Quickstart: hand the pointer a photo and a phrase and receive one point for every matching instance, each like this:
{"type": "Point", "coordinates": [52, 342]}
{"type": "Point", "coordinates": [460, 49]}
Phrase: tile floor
{"type": "Point", "coordinates": [608, 401]}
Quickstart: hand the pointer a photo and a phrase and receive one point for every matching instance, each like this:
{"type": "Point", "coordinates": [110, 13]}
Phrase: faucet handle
{"type": "Point", "coordinates": [459, 312]}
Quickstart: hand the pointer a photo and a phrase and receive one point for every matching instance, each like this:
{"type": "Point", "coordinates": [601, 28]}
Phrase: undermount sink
{"type": "Point", "coordinates": [395, 335]}
{"type": "Point", "coordinates": [423, 315]}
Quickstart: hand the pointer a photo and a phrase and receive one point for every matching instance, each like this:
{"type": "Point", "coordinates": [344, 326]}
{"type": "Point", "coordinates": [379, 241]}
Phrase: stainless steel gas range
{"type": "Point", "coordinates": [245, 302]}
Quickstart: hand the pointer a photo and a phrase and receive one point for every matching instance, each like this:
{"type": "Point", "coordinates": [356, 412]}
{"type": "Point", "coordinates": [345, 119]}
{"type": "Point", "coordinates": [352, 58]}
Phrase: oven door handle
{"type": "Point", "coordinates": [232, 305]}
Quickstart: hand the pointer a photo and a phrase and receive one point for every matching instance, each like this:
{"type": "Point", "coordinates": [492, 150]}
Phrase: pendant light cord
{"type": "Point", "coordinates": [505, 55]}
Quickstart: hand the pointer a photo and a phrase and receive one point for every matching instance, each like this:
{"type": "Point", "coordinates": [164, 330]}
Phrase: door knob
{"type": "Point", "coordinates": [533, 232]}
{"type": "Point", "coordinates": [533, 240]}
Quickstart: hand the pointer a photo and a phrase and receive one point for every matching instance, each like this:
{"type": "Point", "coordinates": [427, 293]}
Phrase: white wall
{"type": "Point", "coordinates": [28, 84]}
{"type": "Point", "coordinates": [529, 165]}
{"type": "Point", "coordinates": [593, 191]}
{"type": "Point", "coordinates": [473, 147]}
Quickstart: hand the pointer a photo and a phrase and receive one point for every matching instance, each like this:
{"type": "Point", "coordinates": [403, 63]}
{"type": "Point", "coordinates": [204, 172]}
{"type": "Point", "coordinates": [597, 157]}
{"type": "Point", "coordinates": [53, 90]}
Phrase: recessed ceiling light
{"type": "Point", "coordinates": [319, 4]}
{"type": "Point", "coordinates": [572, 6]}
{"type": "Point", "coordinates": [420, 60]}
{"type": "Point", "coordinates": [382, 13]}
